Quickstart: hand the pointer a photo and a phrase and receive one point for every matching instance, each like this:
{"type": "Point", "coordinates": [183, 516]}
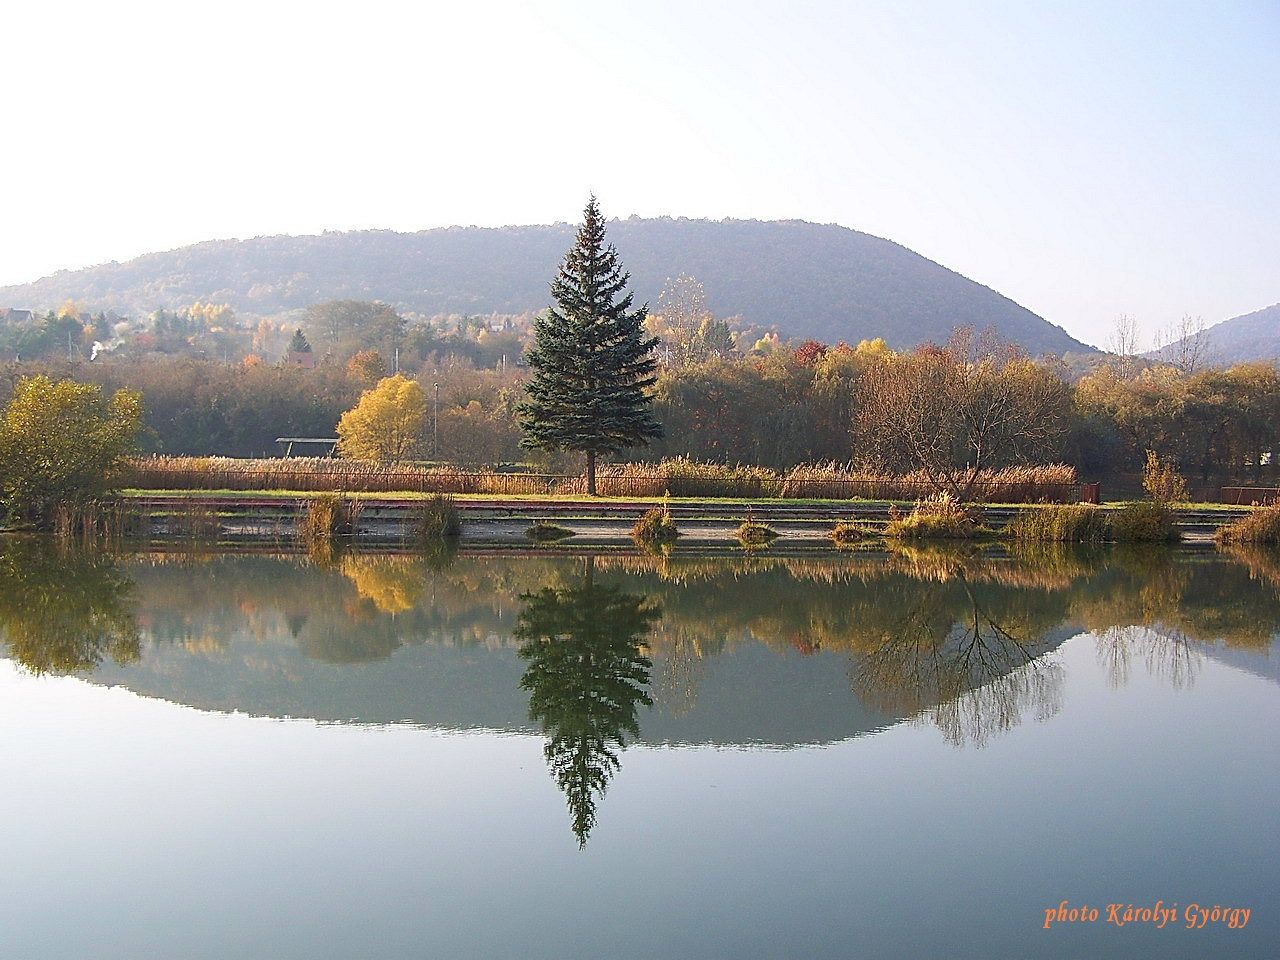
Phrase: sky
{"type": "Point", "coordinates": [1092, 160]}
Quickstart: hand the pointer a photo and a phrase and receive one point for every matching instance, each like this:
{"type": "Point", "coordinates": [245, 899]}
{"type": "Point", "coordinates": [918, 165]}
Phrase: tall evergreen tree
{"type": "Point", "coordinates": [592, 363]}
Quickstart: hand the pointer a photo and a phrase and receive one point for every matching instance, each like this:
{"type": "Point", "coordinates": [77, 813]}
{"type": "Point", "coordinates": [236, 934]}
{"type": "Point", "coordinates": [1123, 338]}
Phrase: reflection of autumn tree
{"type": "Point", "coordinates": [1205, 600]}
{"type": "Point", "coordinates": [586, 677]}
{"type": "Point", "coordinates": [1167, 655]}
{"type": "Point", "coordinates": [682, 668]}
{"type": "Point", "coordinates": [970, 667]}
{"type": "Point", "coordinates": [64, 611]}
{"type": "Point", "coordinates": [394, 584]}
{"type": "Point", "coordinates": [1262, 562]}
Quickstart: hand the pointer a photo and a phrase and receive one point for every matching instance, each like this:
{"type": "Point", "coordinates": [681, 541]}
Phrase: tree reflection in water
{"type": "Point", "coordinates": [1167, 655]}
{"type": "Point", "coordinates": [953, 658]}
{"type": "Point", "coordinates": [63, 611]}
{"type": "Point", "coordinates": [586, 678]}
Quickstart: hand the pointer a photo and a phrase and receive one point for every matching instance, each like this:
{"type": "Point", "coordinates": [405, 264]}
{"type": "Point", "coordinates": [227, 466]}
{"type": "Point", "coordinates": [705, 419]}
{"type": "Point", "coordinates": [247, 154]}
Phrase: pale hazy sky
{"type": "Point", "coordinates": [1087, 159]}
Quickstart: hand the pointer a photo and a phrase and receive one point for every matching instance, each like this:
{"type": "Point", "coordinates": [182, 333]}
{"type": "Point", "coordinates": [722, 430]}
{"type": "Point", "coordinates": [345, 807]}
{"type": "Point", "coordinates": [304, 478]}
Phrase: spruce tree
{"type": "Point", "coordinates": [592, 363]}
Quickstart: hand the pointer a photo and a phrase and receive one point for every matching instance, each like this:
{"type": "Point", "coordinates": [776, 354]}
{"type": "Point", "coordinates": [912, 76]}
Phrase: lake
{"type": "Point", "coordinates": [1057, 754]}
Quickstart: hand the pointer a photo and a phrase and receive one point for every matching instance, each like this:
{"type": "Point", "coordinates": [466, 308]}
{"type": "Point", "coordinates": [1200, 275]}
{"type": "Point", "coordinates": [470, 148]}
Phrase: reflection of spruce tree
{"type": "Point", "coordinates": [586, 678]}
{"type": "Point", "coordinates": [64, 613]}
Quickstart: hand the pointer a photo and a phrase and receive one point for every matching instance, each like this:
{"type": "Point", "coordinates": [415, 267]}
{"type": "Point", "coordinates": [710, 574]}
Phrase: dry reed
{"type": "Point", "coordinates": [678, 477]}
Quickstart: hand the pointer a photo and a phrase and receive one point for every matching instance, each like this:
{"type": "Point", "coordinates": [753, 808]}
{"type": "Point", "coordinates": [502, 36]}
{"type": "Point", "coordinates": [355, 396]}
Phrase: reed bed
{"type": "Point", "coordinates": [1262, 526]}
{"type": "Point", "coordinates": [940, 517]}
{"type": "Point", "coordinates": [1061, 523]}
{"type": "Point", "coordinates": [679, 477]}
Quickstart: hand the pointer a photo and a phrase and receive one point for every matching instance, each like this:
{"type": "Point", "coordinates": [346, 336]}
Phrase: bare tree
{"type": "Point", "coordinates": [690, 333]}
{"type": "Point", "coordinates": [1185, 344]}
{"type": "Point", "coordinates": [953, 413]}
{"type": "Point", "coordinates": [1123, 341]}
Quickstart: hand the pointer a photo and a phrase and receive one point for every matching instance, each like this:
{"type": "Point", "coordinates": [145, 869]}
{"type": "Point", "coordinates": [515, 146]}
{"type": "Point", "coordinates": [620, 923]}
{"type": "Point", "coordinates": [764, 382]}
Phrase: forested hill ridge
{"type": "Point", "coordinates": [1254, 336]}
{"type": "Point", "coordinates": [806, 280]}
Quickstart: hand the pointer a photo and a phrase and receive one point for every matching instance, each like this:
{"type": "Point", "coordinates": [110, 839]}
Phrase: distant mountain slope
{"type": "Point", "coordinates": [1254, 336]}
{"type": "Point", "coordinates": [809, 280]}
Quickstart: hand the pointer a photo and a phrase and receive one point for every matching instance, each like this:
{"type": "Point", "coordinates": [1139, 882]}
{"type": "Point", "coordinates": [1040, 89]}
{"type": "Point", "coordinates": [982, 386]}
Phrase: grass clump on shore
{"type": "Point", "coordinates": [940, 517]}
{"type": "Point", "coordinates": [1060, 523]}
{"type": "Point", "coordinates": [544, 531]}
{"type": "Point", "coordinates": [326, 522]}
{"type": "Point", "coordinates": [1262, 526]}
{"type": "Point", "coordinates": [655, 528]}
{"type": "Point", "coordinates": [847, 534]}
{"type": "Point", "coordinates": [1144, 522]}
{"type": "Point", "coordinates": [437, 519]}
{"type": "Point", "coordinates": [752, 533]}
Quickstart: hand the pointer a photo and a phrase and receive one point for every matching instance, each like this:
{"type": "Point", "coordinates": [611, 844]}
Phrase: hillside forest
{"type": "Point", "coordinates": [212, 386]}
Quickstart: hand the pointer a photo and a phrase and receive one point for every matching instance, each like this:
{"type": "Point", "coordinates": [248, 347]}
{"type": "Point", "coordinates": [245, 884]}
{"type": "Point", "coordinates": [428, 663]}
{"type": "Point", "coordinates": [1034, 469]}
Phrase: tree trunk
{"type": "Point", "coordinates": [591, 473]}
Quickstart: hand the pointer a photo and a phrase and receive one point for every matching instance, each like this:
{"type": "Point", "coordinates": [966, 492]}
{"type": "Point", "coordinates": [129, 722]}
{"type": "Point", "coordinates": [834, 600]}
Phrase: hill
{"type": "Point", "coordinates": [1253, 336]}
{"type": "Point", "coordinates": [807, 280]}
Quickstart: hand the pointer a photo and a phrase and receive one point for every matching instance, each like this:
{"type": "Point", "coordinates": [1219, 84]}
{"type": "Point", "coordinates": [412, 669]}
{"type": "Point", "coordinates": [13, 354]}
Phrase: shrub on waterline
{"type": "Point", "coordinates": [1144, 522]}
{"type": "Point", "coordinates": [753, 534]}
{"type": "Point", "coordinates": [655, 528]}
{"type": "Point", "coordinates": [544, 532]}
{"type": "Point", "coordinates": [1262, 526]}
{"type": "Point", "coordinates": [1060, 523]}
{"type": "Point", "coordinates": [847, 534]}
{"type": "Point", "coordinates": [940, 517]}
{"type": "Point", "coordinates": [326, 519]}
{"type": "Point", "coordinates": [437, 518]}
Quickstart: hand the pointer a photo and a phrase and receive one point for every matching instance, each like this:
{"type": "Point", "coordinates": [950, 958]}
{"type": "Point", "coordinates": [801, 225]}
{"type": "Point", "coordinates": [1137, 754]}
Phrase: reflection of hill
{"type": "Point", "coordinates": [1266, 667]}
{"type": "Point", "coordinates": [765, 650]}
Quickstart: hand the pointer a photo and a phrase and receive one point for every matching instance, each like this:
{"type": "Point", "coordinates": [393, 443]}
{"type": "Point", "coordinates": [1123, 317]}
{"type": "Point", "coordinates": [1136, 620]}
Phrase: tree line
{"type": "Point", "coordinates": [606, 379]}
{"type": "Point", "coordinates": [793, 404]}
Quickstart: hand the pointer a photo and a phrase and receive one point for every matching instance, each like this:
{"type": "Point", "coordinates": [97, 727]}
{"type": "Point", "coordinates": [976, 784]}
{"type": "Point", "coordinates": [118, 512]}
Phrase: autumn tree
{"type": "Point", "coordinates": [367, 366]}
{"type": "Point", "coordinates": [62, 446]}
{"type": "Point", "coordinates": [386, 423]}
{"type": "Point", "coordinates": [592, 363]}
{"type": "Point", "coordinates": [956, 411]}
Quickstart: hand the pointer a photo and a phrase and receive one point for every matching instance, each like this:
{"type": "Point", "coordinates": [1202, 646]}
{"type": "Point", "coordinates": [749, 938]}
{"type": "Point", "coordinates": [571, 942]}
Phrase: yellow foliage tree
{"type": "Point", "coordinates": [386, 423]}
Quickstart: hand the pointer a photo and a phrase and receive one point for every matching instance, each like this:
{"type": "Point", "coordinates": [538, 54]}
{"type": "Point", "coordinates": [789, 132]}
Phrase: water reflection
{"type": "Point", "coordinates": [587, 676]}
{"type": "Point", "coordinates": [763, 650]}
{"type": "Point", "coordinates": [64, 610]}
{"type": "Point", "coordinates": [971, 659]}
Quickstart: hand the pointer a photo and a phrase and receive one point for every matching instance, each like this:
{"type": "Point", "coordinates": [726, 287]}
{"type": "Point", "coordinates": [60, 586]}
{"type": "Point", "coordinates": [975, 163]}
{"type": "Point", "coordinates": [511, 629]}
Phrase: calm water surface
{"type": "Point", "coordinates": [906, 756]}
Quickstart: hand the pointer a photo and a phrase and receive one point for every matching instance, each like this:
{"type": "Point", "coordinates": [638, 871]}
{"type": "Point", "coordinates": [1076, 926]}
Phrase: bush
{"type": "Point", "coordinates": [1145, 522]}
{"type": "Point", "coordinates": [544, 532]}
{"type": "Point", "coordinates": [1064, 523]}
{"type": "Point", "coordinates": [327, 518]}
{"type": "Point", "coordinates": [846, 533]}
{"type": "Point", "coordinates": [1162, 480]}
{"type": "Point", "coordinates": [1262, 526]}
{"type": "Point", "coordinates": [438, 519]}
{"type": "Point", "coordinates": [940, 517]}
{"type": "Point", "coordinates": [754, 534]}
{"type": "Point", "coordinates": [655, 527]}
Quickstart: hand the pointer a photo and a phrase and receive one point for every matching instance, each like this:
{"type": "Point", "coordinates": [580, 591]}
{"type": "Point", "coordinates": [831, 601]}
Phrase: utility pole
{"type": "Point", "coordinates": [435, 427]}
